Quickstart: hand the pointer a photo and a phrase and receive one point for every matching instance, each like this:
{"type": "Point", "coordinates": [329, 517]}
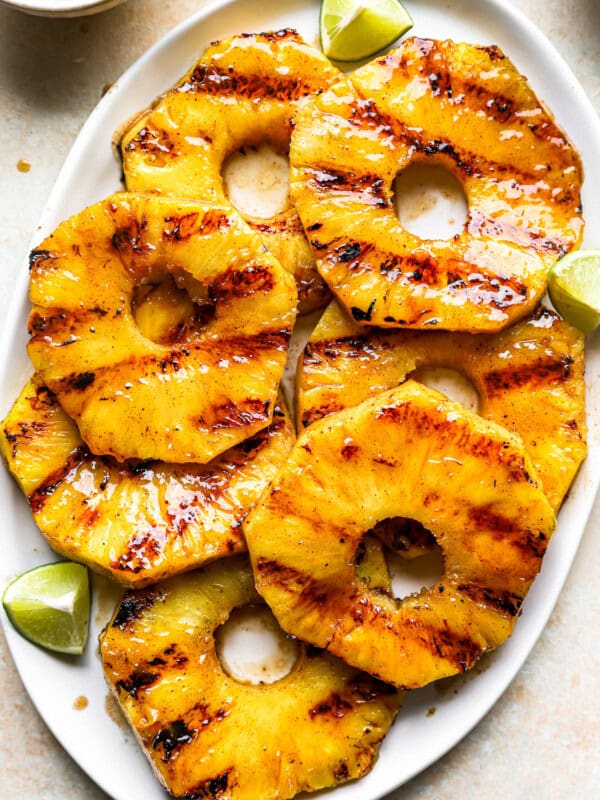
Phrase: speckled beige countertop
{"type": "Point", "coordinates": [542, 739]}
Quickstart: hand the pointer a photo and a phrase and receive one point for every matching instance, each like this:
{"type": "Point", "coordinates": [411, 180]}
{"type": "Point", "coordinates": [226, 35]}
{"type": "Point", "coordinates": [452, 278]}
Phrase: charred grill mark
{"type": "Point", "coordinates": [38, 258]}
{"type": "Point", "coordinates": [212, 789]}
{"type": "Point", "coordinates": [493, 51]}
{"type": "Point", "coordinates": [139, 680]}
{"type": "Point", "coordinates": [181, 228]}
{"type": "Point", "coordinates": [241, 283]}
{"type": "Point", "coordinates": [349, 450]}
{"type": "Point", "coordinates": [531, 544]}
{"type": "Point", "coordinates": [83, 380]}
{"type": "Point", "coordinates": [132, 607]}
{"type": "Point", "coordinates": [484, 518]}
{"type": "Point", "coordinates": [363, 316]}
{"type": "Point", "coordinates": [280, 224]}
{"type": "Point", "coordinates": [314, 414]}
{"type": "Point", "coordinates": [130, 239]}
{"type": "Point", "coordinates": [341, 772]}
{"type": "Point", "coordinates": [37, 499]}
{"type": "Point", "coordinates": [334, 706]}
{"type": "Point", "coordinates": [173, 738]}
{"type": "Point", "coordinates": [343, 347]}
{"type": "Point", "coordinates": [150, 140]}
{"type": "Point", "coordinates": [210, 79]}
{"type": "Point", "coordinates": [142, 551]}
{"type": "Point", "coordinates": [495, 228]}
{"type": "Point", "coordinates": [54, 321]}
{"type": "Point", "coordinates": [543, 372]}
{"type": "Point", "coordinates": [239, 349]}
{"type": "Point", "coordinates": [458, 649]}
{"type": "Point", "coordinates": [478, 445]}
{"type": "Point", "coordinates": [504, 602]}
{"type": "Point", "coordinates": [370, 188]}
{"type": "Point", "coordinates": [23, 433]}
{"type": "Point", "coordinates": [249, 411]}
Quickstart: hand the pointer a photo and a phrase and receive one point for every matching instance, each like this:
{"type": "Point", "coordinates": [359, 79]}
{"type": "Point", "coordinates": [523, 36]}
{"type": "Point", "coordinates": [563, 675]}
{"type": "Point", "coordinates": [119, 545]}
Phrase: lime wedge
{"type": "Point", "coordinates": [352, 30]}
{"type": "Point", "coordinates": [50, 606]}
{"type": "Point", "coordinates": [574, 288]}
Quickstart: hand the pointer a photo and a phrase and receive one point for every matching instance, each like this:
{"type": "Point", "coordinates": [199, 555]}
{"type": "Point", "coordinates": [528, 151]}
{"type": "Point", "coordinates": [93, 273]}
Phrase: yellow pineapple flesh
{"type": "Point", "coordinates": [137, 521]}
{"type": "Point", "coordinates": [408, 452]}
{"type": "Point", "coordinates": [208, 735]}
{"type": "Point", "coordinates": [529, 378]}
{"type": "Point", "coordinates": [184, 401]}
{"type": "Point", "coordinates": [463, 108]}
{"type": "Point", "coordinates": [244, 91]}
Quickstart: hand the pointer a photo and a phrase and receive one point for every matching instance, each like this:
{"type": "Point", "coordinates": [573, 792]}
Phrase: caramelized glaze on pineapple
{"type": "Point", "coordinates": [244, 91]}
{"type": "Point", "coordinates": [132, 397]}
{"type": "Point", "coordinates": [136, 521]}
{"type": "Point", "coordinates": [210, 736]}
{"type": "Point", "coordinates": [464, 108]}
{"type": "Point", "coordinates": [407, 452]}
{"type": "Point", "coordinates": [529, 379]}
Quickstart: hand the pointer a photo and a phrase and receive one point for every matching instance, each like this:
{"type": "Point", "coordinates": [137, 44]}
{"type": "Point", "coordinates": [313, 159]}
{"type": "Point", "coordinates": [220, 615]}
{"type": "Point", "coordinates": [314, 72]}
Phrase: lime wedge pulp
{"type": "Point", "coordinates": [50, 606]}
{"type": "Point", "coordinates": [574, 288]}
{"type": "Point", "coordinates": [352, 30]}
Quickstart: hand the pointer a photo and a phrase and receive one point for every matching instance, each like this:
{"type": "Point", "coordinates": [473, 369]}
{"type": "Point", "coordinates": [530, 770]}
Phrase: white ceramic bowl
{"type": "Point", "coordinates": [61, 8]}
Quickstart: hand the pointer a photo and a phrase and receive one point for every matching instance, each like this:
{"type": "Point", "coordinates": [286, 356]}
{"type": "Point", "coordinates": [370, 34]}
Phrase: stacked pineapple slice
{"type": "Point", "coordinates": [152, 441]}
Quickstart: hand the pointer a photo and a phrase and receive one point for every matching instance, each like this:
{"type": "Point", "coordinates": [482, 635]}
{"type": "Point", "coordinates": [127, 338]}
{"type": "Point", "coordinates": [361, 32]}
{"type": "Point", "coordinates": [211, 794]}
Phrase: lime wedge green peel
{"type": "Point", "coordinates": [352, 30]}
{"type": "Point", "coordinates": [50, 606]}
{"type": "Point", "coordinates": [574, 288]}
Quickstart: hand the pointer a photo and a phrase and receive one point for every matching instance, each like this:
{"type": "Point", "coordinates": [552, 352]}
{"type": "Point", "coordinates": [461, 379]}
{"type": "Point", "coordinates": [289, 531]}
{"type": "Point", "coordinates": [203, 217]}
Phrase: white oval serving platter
{"type": "Point", "coordinates": [107, 751]}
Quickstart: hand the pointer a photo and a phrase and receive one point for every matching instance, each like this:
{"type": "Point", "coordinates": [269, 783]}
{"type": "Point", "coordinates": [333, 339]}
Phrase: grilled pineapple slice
{"type": "Point", "coordinates": [468, 110]}
{"type": "Point", "coordinates": [408, 452]}
{"type": "Point", "coordinates": [208, 735]}
{"type": "Point", "coordinates": [135, 521]}
{"type": "Point", "coordinates": [135, 398]}
{"type": "Point", "coordinates": [529, 379]}
{"type": "Point", "coordinates": [244, 91]}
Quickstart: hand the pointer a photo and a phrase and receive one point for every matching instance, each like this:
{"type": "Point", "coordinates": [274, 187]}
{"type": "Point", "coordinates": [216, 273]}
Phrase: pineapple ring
{"type": "Point", "coordinates": [529, 379]}
{"type": "Point", "coordinates": [208, 735]}
{"type": "Point", "coordinates": [408, 452]}
{"type": "Point", "coordinates": [244, 91]}
{"type": "Point", "coordinates": [134, 522]}
{"type": "Point", "coordinates": [468, 110]}
{"type": "Point", "coordinates": [132, 397]}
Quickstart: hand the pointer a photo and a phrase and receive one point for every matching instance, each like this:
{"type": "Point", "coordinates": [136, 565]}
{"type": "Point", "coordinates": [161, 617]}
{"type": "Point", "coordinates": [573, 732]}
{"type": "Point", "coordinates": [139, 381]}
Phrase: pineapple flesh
{"type": "Point", "coordinates": [408, 452]}
{"type": "Point", "coordinates": [208, 735]}
{"type": "Point", "coordinates": [529, 378]}
{"type": "Point", "coordinates": [183, 402]}
{"type": "Point", "coordinates": [137, 521]}
{"type": "Point", "coordinates": [468, 110]}
{"type": "Point", "coordinates": [243, 92]}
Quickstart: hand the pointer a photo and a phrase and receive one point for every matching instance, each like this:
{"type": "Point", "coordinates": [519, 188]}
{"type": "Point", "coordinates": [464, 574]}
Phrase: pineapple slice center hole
{"type": "Point", "coordinates": [451, 383]}
{"type": "Point", "coordinates": [409, 576]}
{"type": "Point", "coordinates": [430, 202]}
{"type": "Point", "coordinates": [166, 313]}
{"type": "Point", "coordinates": [257, 181]}
{"type": "Point", "coordinates": [253, 649]}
